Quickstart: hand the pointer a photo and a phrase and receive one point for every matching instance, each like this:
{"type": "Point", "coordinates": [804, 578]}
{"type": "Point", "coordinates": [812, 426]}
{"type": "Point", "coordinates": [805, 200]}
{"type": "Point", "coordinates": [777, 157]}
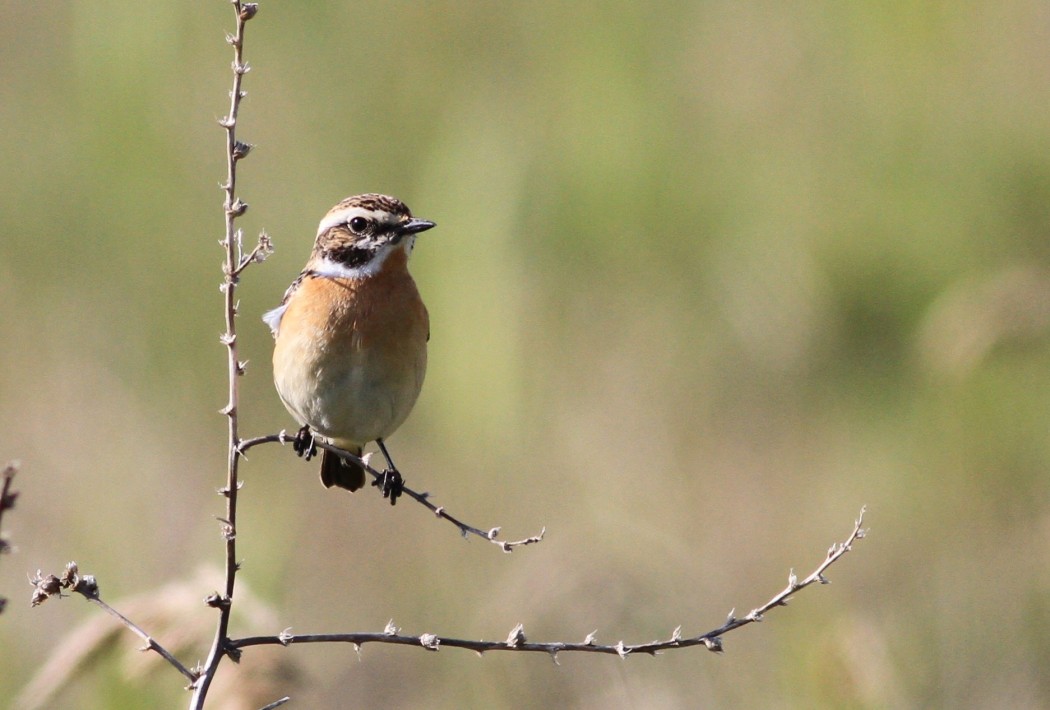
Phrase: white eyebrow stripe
{"type": "Point", "coordinates": [343, 216]}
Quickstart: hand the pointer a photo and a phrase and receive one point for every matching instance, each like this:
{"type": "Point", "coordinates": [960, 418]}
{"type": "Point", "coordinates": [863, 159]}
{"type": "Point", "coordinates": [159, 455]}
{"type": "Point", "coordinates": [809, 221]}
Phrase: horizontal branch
{"type": "Point", "coordinates": [492, 535]}
{"type": "Point", "coordinates": [516, 641]}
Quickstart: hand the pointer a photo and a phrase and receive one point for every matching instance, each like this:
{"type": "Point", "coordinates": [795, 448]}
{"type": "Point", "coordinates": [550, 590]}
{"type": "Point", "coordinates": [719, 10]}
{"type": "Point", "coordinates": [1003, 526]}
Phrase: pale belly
{"type": "Point", "coordinates": [353, 397]}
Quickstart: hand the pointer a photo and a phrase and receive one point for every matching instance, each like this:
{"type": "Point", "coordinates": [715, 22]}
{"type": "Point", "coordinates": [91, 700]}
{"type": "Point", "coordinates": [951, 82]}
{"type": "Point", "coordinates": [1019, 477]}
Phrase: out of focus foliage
{"type": "Point", "coordinates": [708, 276]}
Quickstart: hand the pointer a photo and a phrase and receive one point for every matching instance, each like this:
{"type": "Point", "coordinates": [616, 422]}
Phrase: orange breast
{"type": "Point", "coordinates": [351, 355]}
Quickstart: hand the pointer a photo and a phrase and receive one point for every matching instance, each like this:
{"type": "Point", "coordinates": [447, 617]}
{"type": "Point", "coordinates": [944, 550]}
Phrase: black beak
{"type": "Point", "coordinates": [414, 226]}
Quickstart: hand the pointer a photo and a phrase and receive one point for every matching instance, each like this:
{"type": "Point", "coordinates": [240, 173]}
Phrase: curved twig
{"type": "Point", "coordinates": [516, 641]}
{"type": "Point", "coordinates": [45, 587]}
{"type": "Point", "coordinates": [492, 535]}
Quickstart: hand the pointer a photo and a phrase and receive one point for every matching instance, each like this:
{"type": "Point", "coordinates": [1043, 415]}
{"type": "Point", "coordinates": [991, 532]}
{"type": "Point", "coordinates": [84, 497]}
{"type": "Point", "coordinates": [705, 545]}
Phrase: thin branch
{"type": "Point", "coordinates": [258, 254]}
{"type": "Point", "coordinates": [276, 703]}
{"type": "Point", "coordinates": [7, 501]}
{"type": "Point", "coordinates": [492, 535]}
{"type": "Point", "coordinates": [45, 587]}
{"type": "Point", "coordinates": [236, 262]}
{"type": "Point", "coordinates": [516, 641]}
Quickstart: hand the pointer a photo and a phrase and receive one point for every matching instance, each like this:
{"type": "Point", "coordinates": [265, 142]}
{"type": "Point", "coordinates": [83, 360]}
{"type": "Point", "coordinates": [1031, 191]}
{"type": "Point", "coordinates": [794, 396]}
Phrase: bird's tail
{"type": "Point", "coordinates": [336, 471]}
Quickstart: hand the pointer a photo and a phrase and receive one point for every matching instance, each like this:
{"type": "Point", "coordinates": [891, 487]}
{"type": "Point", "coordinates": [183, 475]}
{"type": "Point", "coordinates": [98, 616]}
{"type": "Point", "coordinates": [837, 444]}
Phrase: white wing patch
{"type": "Point", "coordinates": [273, 318]}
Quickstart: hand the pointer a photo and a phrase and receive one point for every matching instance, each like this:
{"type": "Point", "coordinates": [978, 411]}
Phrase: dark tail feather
{"type": "Point", "coordinates": [336, 471]}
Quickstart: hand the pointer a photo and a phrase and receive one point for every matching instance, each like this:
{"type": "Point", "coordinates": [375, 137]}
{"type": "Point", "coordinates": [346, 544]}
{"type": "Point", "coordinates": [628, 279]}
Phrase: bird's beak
{"type": "Point", "coordinates": [414, 226]}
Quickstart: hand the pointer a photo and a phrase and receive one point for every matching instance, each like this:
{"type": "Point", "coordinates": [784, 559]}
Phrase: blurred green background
{"type": "Point", "coordinates": [708, 277]}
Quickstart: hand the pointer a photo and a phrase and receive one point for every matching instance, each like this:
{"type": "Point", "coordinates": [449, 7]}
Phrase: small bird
{"type": "Point", "coordinates": [351, 335]}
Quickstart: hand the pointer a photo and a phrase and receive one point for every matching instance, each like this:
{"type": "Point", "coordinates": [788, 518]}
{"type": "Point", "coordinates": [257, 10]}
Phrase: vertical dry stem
{"type": "Point", "coordinates": [234, 264]}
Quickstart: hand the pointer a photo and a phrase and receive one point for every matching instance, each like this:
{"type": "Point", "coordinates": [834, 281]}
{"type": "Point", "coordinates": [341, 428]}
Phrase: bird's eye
{"type": "Point", "coordinates": [358, 225]}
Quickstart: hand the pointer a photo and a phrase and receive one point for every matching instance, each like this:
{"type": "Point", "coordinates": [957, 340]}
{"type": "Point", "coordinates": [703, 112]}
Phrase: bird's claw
{"type": "Point", "coordinates": [391, 483]}
{"type": "Point", "coordinates": [303, 444]}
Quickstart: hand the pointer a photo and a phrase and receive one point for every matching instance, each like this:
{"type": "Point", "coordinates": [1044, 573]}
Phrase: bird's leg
{"type": "Point", "coordinates": [391, 482]}
{"type": "Point", "coordinates": [303, 444]}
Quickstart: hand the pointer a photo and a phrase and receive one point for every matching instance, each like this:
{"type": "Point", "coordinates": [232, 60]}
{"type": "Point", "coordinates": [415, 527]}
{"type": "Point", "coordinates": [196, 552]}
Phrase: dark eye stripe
{"type": "Point", "coordinates": [348, 255]}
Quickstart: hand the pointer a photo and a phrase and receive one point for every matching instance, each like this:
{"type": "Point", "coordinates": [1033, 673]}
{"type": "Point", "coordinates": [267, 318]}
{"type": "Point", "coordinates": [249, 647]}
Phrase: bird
{"type": "Point", "coordinates": [350, 336]}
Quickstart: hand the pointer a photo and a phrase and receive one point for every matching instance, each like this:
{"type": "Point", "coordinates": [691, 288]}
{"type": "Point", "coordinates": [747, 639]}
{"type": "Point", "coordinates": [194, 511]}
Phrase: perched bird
{"type": "Point", "coordinates": [351, 334]}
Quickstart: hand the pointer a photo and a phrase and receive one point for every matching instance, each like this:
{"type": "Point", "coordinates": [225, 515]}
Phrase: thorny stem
{"type": "Point", "coordinates": [151, 643]}
{"type": "Point", "coordinates": [234, 264]}
{"type": "Point", "coordinates": [47, 586]}
{"type": "Point", "coordinates": [7, 500]}
{"type": "Point", "coordinates": [491, 535]}
{"type": "Point", "coordinates": [516, 641]}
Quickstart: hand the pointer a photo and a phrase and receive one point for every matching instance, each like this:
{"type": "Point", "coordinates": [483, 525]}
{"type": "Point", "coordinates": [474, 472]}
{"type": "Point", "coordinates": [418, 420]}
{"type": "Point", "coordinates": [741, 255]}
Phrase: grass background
{"type": "Point", "coordinates": [708, 276]}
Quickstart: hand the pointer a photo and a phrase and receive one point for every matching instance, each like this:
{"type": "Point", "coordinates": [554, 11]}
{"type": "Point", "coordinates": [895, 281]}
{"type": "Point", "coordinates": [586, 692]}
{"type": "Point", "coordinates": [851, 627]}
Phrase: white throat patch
{"type": "Point", "coordinates": [329, 269]}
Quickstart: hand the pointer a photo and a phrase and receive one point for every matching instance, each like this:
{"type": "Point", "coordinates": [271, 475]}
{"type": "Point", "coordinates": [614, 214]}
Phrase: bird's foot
{"type": "Point", "coordinates": [303, 444]}
{"type": "Point", "coordinates": [391, 484]}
